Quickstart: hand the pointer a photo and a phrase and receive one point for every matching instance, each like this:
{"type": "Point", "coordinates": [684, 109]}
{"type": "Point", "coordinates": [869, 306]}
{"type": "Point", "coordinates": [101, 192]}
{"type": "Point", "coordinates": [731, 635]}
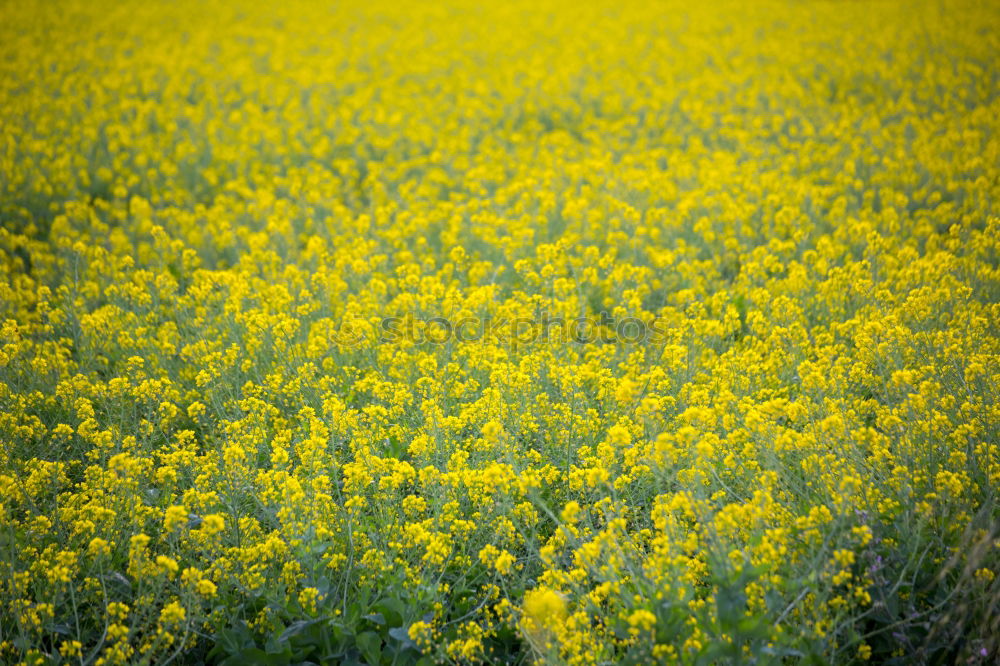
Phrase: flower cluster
{"type": "Point", "coordinates": [206, 207]}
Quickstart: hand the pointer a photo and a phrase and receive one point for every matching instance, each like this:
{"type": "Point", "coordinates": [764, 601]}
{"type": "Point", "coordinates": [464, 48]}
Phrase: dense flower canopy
{"type": "Point", "coordinates": [595, 332]}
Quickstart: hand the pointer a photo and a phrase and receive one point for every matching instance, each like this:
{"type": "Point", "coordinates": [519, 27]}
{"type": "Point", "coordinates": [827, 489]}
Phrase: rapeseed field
{"type": "Point", "coordinates": [525, 332]}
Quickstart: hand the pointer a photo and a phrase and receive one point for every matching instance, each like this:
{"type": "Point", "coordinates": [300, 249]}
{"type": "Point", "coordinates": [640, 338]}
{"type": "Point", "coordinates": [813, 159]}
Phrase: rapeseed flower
{"type": "Point", "coordinates": [613, 332]}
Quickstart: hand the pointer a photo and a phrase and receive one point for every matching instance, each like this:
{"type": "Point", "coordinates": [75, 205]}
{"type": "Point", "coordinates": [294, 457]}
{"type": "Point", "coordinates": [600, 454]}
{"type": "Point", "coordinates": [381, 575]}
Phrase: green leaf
{"type": "Point", "coordinates": [231, 641]}
{"type": "Point", "coordinates": [256, 657]}
{"type": "Point", "coordinates": [370, 645]}
{"type": "Point", "coordinates": [392, 610]}
{"type": "Point", "coordinates": [402, 635]}
{"type": "Point", "coordinates": [731, 602]}
{"type": "Point", "coordinates": [294, 629]}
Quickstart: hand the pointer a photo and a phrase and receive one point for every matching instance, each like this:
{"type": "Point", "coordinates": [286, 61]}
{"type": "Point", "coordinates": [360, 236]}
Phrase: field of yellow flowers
{"type": "Point", "coordinates": [524, 332]}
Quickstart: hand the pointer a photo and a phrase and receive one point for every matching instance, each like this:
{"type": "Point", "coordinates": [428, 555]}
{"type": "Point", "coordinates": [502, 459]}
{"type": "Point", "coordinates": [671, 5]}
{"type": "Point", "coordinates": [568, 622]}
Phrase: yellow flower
{"type": "Point", "coordinates": [458, 298]}
{"type": "Point", "coordinates": [504, 562]}
{"type": "Point", "coordinates": [544, 607]}
{"type": "Point", "coordinates": [618, 435]}
{"type": "Point", "coordinates": [206, 588]}
{"type": "Point", "coordinates": [98, 547]}
{"type": "Point", "coordinates": [421, 633]}
{"type": "Point", "coordinates": [571, 512]}
{"type": "Point", "coordinates": [70, 649]}
{"type": "Point", "coordinates": [167, 565]}
{"type": "Point", "coordinates": [213, 524]}
{"type": "Point", "coordinates": [492, 431]}
{"type": "Point", "coordinates": [174, 517]}
{"type": "Point", "coordinates": [641, 619]}
{"type": "Point", "coordinates": [172, 614]}
{"type": "Point", "coordinates": [985, 575]}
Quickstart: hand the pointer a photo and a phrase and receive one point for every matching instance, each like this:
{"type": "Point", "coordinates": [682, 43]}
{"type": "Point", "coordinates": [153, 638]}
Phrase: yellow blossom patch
{"type": "Point", "coordinates": [499, 332]}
